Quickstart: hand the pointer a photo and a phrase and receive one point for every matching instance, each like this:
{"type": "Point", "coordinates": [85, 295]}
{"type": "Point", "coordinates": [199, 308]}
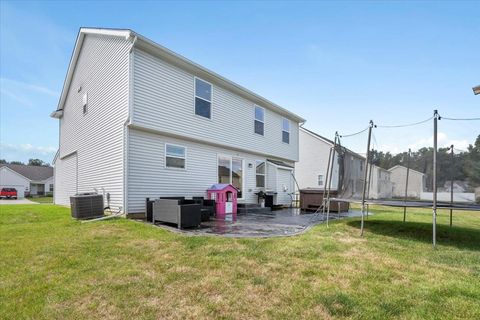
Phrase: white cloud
{"type": "Point", "coordinates": [29, 148]}
{"type": "Point", "coordinates": [28, 86]}
{"type": "Point", "coordinates": [17, 98]}
{"type": "Point", "coordinates": [443, 141]}
{"type": "Point", "coordinates": [23, 92]}
{"type": "Point", "coordinates": [23, 152]}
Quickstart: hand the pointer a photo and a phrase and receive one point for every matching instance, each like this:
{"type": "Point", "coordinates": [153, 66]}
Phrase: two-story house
{"type": "Point", "coordinates": [138, 120]}
{"type": "Point", "coordinates": [311, 169]}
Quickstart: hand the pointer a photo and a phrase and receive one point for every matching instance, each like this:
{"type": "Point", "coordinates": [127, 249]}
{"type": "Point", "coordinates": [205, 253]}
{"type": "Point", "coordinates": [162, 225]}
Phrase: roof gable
{"type": "Point", "coordinates": [403, 167]}
{"type": "Point", "coordinates": [171, 57]}
{"type": "Point", "coordinates": [33, 173]}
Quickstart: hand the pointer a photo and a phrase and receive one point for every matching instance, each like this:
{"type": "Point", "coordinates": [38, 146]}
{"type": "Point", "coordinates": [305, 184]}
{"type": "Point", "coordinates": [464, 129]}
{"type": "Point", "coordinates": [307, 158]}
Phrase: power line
{"type": "Point", "coordinates": [459, 119]}
{"type": "Point", "coordinates": [354, 134]}
{"type": "Point", "coordinates": [405, 125]}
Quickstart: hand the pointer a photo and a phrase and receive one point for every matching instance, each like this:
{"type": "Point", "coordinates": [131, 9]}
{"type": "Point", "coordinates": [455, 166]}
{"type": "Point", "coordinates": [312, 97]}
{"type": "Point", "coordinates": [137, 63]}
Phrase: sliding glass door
{"type": "Point", "coordinates": [230, 170]}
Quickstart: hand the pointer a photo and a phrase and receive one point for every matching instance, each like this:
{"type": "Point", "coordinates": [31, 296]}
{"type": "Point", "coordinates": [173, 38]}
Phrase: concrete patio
{"type": "Point", "coordinates": [286, 222]}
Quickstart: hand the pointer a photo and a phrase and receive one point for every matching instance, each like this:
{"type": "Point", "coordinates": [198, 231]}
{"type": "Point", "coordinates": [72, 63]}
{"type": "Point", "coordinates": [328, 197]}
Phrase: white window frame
{"type": "Point", "coordinates": [289, 130]}
{"type": "Point", "coordinates": [255, 119]}
{"type": "Point", "coordinates": [195, 96]}
{"type": "Point", "coordinates": [231, 171]}
{"type": "Point", "coordinates": [261, 174]}
{"type": "Point", "coordinates": [165, 156]}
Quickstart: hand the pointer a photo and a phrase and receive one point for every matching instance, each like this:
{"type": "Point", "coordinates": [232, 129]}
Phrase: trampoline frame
{"type": "Point", "coordinates": [364, 202]}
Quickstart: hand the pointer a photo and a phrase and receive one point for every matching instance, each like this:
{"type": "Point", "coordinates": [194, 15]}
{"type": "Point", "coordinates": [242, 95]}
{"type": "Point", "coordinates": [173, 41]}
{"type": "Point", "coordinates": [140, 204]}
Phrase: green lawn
{"type": "Point", "coordinates": [54, 267]}
{"type": "Point", "coordinates": [42, 199]}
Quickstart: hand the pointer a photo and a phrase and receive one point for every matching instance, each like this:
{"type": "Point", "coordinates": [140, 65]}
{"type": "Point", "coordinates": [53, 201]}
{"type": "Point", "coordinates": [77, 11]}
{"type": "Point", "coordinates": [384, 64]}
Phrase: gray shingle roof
{"type": "Point", "coordinates": [34, 173]}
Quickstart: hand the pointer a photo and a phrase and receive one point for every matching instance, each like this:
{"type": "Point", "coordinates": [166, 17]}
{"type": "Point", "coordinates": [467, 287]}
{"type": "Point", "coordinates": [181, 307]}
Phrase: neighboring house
{"type": "Point", "coordinates": [416, 182]}
{"type": "Point", "coordinates": [33, 180]}
{"type": "Point", "coordinates": [138, 120]}
{"type": "Point", "coordinates": [381, 186]}
{"type": "Point", "coordinates": [311, 169]}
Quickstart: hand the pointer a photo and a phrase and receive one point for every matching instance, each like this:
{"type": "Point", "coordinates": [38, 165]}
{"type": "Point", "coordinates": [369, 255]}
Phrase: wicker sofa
{"type": "Point", "coordinates": [208, 207]}
{"type": "Point", "coordinates": [183, 213]}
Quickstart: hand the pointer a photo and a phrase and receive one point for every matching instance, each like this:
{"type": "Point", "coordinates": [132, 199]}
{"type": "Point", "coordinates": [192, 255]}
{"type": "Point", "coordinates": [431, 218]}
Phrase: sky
{"type": "Point", "coordinates": [337, 64]}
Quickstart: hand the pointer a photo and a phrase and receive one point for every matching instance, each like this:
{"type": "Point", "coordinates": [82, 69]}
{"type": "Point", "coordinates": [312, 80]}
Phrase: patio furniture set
{"type": "Point", "coordinates": [186, 213]}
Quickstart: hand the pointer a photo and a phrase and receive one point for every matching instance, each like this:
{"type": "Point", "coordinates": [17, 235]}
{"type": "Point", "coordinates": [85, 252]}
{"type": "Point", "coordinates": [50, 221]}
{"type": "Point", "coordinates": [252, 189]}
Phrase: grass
{"type": "Point", "coordinates": [41, 199]}
{"type": "Point", "coordinates": [54, 267]}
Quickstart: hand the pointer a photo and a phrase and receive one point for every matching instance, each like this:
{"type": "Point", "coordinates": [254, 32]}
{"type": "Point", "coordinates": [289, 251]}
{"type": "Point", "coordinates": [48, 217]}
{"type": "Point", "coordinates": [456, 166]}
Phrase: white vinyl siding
{"type": "Point", "coordinates": [313, 161]}
{"type": "Point", "coordinates": [148, 177]}
{"type": "Point", "coordinates": [12, 179]}
{"type": "Point", "coordinates": [284, 186]}
{"type": "Point", "coordinates": [271, 177]}
{"type": "Point", "coordinates": [66, 180]}
{"type": "Point", "coordinates": [163, 95]}
{"type": "Point", "coordinates": [102, 72]}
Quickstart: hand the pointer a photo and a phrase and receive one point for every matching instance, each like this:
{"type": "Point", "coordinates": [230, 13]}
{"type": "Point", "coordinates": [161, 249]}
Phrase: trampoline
{"type": "Point", "coordinates": [366, 189]}
{"type": "Point", "coordinates": [415, 204]}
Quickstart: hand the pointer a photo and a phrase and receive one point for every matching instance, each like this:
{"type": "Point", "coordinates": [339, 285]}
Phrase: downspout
{"type": "Point", "coordinates": [128, 122]}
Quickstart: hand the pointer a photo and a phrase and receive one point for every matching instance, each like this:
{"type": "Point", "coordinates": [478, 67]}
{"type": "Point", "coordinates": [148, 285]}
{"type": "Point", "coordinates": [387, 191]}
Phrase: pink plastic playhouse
{"type": "Point", "coordinates": [225, 196]}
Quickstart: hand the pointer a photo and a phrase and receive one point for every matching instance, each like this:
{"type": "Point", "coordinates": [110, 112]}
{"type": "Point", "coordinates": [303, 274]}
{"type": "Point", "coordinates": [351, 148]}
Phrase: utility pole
{"type": "Point", "coordinates": [434, 213]}
{"type": "Point", "coordinates": [365, 176]}
{"type": "Point", "coordinates": [406, 185]}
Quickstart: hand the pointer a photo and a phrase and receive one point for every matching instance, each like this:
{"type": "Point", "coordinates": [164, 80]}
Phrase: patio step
{"type": "Point", "coordinates": [248, 205]}
{"type": "Point", "coordinates": [253, 210]}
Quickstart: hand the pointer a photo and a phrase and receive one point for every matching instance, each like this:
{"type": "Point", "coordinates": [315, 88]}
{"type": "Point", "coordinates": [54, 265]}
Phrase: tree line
{"type": "Point", "coordinates": [31, 162]}
{"type": "Point", "coordinates": [463, 166]}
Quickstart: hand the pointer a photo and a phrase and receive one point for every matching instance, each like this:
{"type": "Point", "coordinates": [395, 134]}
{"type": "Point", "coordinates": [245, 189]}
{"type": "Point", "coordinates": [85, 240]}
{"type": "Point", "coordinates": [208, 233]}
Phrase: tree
{"type": "Point", "coordinates": [38, 163]}
{"type": "Point", "coordinates": [3, 161]}
{"type": "Point", "coordinates": [472, 163]}
{"type": "Point", "coordinates": [16, 162]}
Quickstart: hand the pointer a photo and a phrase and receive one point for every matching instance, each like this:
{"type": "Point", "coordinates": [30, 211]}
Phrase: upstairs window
{"type": "Point", "coordinates": [260, 173]}
{"type": "Point", "coordinates": [84, 103]}
{"type": "Point", "coordinates": [320, 179]}
{"type": "Point", "coordinates": [286, 130]}
{"type": "Point", "coordinates": [203, 98]}
{"type": "Point", "coordinates": [175, 156]}
{"type": "Point", "coordinates": [259, 120]}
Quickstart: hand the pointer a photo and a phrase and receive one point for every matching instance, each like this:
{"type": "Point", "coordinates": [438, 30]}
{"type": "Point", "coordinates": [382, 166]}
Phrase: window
{"type": "Point", "coordinates": [259, 120]}
{"type": "Point", "coordinates": [51, 187]}
{"type": "Point", "coordinates": [320, 179]}
{"type": "Point", "coordinates": [174, 156]}
{"type": "Point", "coordinates": [203, 98]}
{"type": "Point", "coordinates": [230, 170]}
{"type": "Point", "coordinates": [84, 103]}
{"type": "Point", "coordinates": [285, 130]}
{"type": "Point", "coordinates": [260, 173]}
{"type": "Point", "coordinates": [361, 165]}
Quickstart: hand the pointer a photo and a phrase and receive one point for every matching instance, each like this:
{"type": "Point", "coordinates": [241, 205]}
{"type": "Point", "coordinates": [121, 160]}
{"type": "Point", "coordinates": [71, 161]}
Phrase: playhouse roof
{"type": "Point", "coordinates": [221, 186]}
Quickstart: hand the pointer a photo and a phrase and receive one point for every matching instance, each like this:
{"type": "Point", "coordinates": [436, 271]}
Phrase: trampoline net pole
{"type": "Point", "coordinates": [365, 176]}
{"type": "Point", "coordinates": [406, 185]}
{"type": "Point", "coordinates": [330, 177]}
{"type": "Point", "coordinates": [326, 182]}
{"type": "Point", "coordinates": [451, 182]}
{"type": "Point", "coordinates": [434, 213]}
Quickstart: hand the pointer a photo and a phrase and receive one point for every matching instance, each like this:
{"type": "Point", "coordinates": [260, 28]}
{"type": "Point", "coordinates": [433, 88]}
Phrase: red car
{"type": "Point", "coordinates": [8, 193]}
